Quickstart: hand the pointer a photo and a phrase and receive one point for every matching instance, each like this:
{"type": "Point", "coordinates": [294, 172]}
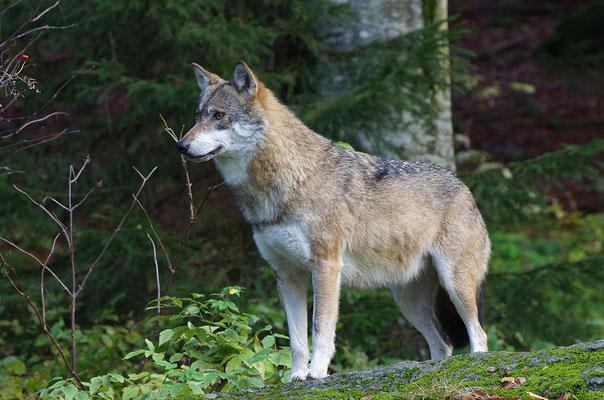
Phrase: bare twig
{"type": "Point", "coordinates": [39, 141]}
{"type": "Point", "coordinates": [161, 244]}
{"type": "Point", "coordinates": [52, 216]}
{"type": "Point", "coordinates": [98, 185]}
{"type": "Point", "coordinates": [156, 274]}
{"type": "Point", "coordinates": [192, 217]}
{"type": "Point", "coordinates": [54, 96]}
{"type": "Point", "coordinates": [9, 7]}
{"type": "Point", "coordinates": [41, 28]}
{"type": "Point", "coordinates": [73, 178]}
{"type": "Point", "coordinates": [189, 190]}
{"type": "Point", "coordinates": [33, 122]}
{"type": "Point", "coordinates": [52, 250]}
{"type": "Point", "coordinates": [55, 201]}
{"type": "Point", "coordinates": [43, 265]}
{"type": "Point", "coordinates": [10, 171]}
{"type": "Point", "coordinates": [77, 176]}
{"type": "Point", "coordinates": [45, 11]}
{"type": "Point", "coordinates": [116, 230]}
{"type": "Point", "coordinates": [186, 236]}
{"type": "Point", "coordinates": [21, 290]}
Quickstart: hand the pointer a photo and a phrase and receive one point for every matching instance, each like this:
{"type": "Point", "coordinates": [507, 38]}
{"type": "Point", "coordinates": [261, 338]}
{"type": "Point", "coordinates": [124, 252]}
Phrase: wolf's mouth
{"type": "Point", "coordinates": [209, 155]}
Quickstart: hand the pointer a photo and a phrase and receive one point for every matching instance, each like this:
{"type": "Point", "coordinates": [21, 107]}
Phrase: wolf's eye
{"type": "Point", "coordinates": [218, 115]}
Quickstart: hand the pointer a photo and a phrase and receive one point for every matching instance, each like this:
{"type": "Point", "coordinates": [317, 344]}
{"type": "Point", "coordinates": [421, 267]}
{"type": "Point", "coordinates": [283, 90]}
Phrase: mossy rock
{"type": "Point", "coordinates": [577, 370]}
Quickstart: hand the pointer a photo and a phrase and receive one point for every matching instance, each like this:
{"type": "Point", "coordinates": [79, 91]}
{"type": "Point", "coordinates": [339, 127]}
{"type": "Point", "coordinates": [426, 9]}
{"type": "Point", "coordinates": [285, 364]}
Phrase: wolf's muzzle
{"type": "Point", "coordinates": [182, 146]}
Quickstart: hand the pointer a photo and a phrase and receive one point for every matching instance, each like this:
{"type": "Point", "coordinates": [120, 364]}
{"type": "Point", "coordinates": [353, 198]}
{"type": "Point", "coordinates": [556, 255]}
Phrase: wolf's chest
{"type": "Point", "coordinates": [284, 245]}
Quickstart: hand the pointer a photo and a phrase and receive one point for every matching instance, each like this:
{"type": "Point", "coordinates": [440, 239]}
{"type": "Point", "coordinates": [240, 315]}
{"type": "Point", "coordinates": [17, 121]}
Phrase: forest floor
{"type": "Point", "coordinates": [561, 373]}
{"type": "Point", "coordinates": [513, 122]}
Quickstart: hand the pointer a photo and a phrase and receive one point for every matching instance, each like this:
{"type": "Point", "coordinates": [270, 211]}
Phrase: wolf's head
{"type": "Point", "coordinates": [229, 118]}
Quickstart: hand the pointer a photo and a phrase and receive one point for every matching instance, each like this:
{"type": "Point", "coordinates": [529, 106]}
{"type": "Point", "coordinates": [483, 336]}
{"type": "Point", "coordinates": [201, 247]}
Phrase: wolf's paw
{"type": "Point", "coordinates": [314, 374]}
{"type": "Point", "coordinates": [299, 375]}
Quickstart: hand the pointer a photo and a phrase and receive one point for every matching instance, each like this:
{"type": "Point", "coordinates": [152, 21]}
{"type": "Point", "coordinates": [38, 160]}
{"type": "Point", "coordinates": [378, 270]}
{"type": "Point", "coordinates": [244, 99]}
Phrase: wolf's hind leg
{"type": "Point", "coordinates": [462, 283]}
{"type": "Point", "coordinates": [416, 302]}
{"type": "Point", "coordinates": [293, 286]}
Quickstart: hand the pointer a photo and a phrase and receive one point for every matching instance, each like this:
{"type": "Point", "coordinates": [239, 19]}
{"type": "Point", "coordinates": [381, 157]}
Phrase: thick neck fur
{"type": "Point", "coordinates": [267, 177]}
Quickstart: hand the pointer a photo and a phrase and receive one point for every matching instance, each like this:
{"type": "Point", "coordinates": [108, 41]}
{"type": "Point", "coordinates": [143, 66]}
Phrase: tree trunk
{"type": "Point", "coordinates": [380, 20]}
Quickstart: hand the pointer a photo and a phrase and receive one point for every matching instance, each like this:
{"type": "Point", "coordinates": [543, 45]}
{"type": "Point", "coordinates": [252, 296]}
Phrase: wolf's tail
{"type": "Point", "coordinates": [449, 319]}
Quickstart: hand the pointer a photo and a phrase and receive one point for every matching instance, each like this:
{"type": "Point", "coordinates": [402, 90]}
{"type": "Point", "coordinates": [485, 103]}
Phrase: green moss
{"type": "Point", "coordinates": [548, 372]}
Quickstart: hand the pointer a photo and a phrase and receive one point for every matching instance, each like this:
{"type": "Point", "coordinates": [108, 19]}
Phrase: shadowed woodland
{"type": "Point", "coordinates": [129, 273]}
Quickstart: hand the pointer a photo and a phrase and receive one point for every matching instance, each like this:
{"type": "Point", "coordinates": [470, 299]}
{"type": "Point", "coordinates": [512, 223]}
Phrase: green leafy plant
{"type": "Point", "coordinates": [210, 346]}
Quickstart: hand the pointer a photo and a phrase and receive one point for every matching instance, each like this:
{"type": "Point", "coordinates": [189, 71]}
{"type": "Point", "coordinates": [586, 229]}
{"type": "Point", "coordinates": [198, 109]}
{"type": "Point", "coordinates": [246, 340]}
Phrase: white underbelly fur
{"type": "Point", "coordinates": [362, 273]}
{"type": "Point", "coordinates": [288, 246]}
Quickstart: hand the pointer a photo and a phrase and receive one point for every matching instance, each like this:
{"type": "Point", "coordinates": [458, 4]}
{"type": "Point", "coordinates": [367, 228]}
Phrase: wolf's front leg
{"type": "Point", "coordinates": [293, 287]}
{"type": "Point", "coordinates": [326, 291]}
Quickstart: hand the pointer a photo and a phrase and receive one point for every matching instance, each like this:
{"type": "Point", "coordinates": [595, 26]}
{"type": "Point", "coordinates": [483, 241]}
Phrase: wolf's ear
{"type": "Point", "coordinates": [204, 78]}
{"type": "Point", "coordinates": [245, 80]}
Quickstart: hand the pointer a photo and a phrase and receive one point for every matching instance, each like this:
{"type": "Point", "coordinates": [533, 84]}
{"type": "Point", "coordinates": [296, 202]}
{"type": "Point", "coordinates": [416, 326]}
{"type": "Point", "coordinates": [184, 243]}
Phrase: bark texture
{"type": "Point", "coordinates": [380, 20]}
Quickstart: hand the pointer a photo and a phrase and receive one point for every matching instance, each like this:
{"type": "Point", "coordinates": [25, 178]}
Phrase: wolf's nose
{"type": "Point", "coordinates": [182, 146]}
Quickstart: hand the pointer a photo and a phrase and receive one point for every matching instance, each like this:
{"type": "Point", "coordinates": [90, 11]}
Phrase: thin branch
{"type": "Point", "coordinates": [21, 290]}
{"type": "Point", "coordinates": [70, 181]}
{"type": "Point", "coordinates": [43, 28]}
{"type": "Point", "coordinates": [76, 177]}
{"type": "Point", "coordinates": [161, 244]}
{"type": "Point", "coordinates": [10, 171]}
{"type": "Point", "coordinates": [189, 190]}
{"type": "Point", "coordinates": [4, 107]}
{"type": "Point", "coordinates": [98, 184]}
{"type": "Point", "coordinates": [55, 201]}
{"type": "Point", "coordinates": [173, 267]}
{"type": "Point", "coordinates": [33, 122]}
{"type": "Point", "coordinates": [54, 96]}
{"type": "Point", "coordinates": [9, 278]}
{"type": "Point", "coordinates": [117, 229]}
{"type": "Point", "coordinates": [38, 261]}
{"type": "Point", "coordinates": [54, 218]}
{"type": "Point", "coordinates": [38, 141]}
{"type": "Point", "coordinates": [52, 250]}
{"type": "Point", "coordinates": [11, 39]}
{"type": "Point", "coordinates": [156, 274]}
{"type": "Point", "coordinates": [9, 7]}
{"type": "Point", "coordinates": [169, 130]}
{"type": "Point", "coordinates": [23, 25]}
{"type": "Point", "coordinates": [45, 11]}
{"type": "Point", "coordinates": [186, 236]}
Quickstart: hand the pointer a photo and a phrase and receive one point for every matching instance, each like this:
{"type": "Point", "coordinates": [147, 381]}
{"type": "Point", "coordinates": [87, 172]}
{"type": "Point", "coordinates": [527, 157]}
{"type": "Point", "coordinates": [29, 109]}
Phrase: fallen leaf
{"type": "Point", "coordinates": [480, 395]}
{"type": "Point", "coordinates": [535, 396]}
{"type": "Point", "coordinates": [491, 369]}
{"type": "Point", "coordinates": [368, 397]}
{"type": "Point", "coordinates": [520, 380]}
{"type": "Point", "coordinates": [564, 396]}
{"type": "Point", "coordinates": [508, 379]}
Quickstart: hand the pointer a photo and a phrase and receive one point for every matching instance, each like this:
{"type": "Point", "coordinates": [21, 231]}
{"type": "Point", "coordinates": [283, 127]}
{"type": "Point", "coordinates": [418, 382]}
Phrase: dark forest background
{"type": "Point", "coordinates": [527, 113]}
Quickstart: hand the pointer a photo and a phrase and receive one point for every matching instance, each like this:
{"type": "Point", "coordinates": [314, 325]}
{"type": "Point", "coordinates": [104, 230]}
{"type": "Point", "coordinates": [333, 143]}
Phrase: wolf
{"type": "Point", "coordinates": [342, 218]}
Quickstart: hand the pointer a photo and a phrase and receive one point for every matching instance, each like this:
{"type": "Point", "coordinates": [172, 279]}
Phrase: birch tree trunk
{"type": "Point", "coordinates": [387, 19]}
